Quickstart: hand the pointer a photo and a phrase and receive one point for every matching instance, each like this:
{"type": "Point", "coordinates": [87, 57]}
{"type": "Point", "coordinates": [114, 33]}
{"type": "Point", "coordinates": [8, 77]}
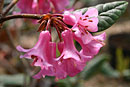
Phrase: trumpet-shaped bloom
{"type": "Point", "coordinates": [93, 47]}
{"type": "Point", "coordinates": [81, 25]}
{"type": "Point", "coordinates": [90, 44]}
{"type": "Point", "coordinates": [42, 6]}
{"type": "Point", "coordinates": [70, 60]}
{"type": "Point", "coordinates": [43, 54]}
{"type": "Point", "coordinates": [54, 69]}
{"type": "Point", "coordinates": [39, 52]}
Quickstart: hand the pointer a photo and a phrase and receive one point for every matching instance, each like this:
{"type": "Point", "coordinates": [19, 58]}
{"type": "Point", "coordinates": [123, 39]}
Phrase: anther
{"type": "Point", "coordinates": [80, 18]}
{"type": "Point", "coordinates": [84, 19]}
{"type": "Point", "coordinates": [33, 56]}
{"type": "Point", "coordinates": [86, 16]}
{"type": "Point", "coordinates": [86, 26]}
{"type": "Point", "coordinates": [90, 20]}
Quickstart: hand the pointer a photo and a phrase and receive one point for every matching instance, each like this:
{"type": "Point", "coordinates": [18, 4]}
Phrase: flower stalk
{"type": "Point", "coordinates": [1, 6]}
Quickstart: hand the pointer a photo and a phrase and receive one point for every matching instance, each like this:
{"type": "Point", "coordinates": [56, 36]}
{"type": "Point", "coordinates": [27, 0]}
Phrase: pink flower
{"type": "Point", "coordinates": [88, 21]}
{"type": "Point", "coordinates": [42, 6]}
{"type": "Point", "coordinates": [54, 69]}
{"type": "Point", "coordinates": [90, 44]}
{"type": "Point", "coordinates": [81, 25]}
{"type": "Point", "coordinates": [91, 48]}
{"type": "Point", "coordinates": [70, 60]}
{"type": "Point", "coordinates": [60, 5]}
{"type": "Point", "coordinates": [39, 52]}
{"type": "Point", "coordinates": [43, 54]}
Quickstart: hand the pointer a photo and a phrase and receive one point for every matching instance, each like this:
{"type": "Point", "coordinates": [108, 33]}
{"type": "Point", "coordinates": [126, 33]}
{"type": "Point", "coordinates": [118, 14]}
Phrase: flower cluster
{"type": "Point", "coordinates": [70, 27]}
{"type": "Point", "coordinates": [42, 6]}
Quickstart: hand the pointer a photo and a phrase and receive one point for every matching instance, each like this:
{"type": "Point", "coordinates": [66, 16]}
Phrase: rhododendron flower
{"type": "Point", "coordinates": [82, 24]}
{"type": "Point", "coordinates": [71, 60]}
{"type": "Point", "coordinates": [88, 21]}
{"type": "Point", "coordinates": [92, 47]}
{"type": "Point", "coordinates": [42, 6]}
{"type": "Point", "coordinates": [39, 51]}
{"type": "Point", "coordinates": [43, 54]}
{"type": "Point", "coordinates": [90, 44]}
{"type": "Point", "coordinates": [69, 27]}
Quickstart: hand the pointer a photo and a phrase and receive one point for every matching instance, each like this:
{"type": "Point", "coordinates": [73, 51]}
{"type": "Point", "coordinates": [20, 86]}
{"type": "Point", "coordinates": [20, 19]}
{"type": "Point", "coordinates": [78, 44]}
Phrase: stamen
{"type": "Point", "coordinates": [42, 25]}
{"type": "Point", "coordinates": [99, 41]}
{"type": "Point", "coordinates": [60, 22]}
{"type": "Point", "coordinates": [48, 24]}
{"type": "Point", "coordinates": [86, 26]}
{"type": "Point", "coordinates": [35, 59]}
{"type": "Point", "coordinates": [86, 31]}
{"type": "Point", "coordinates": [42, 19]}
{"type": "Point", "coordinates": [82, 33]}
{"type": "Point", "coordinates": [33, 56]}
{"type": "Point", "coordinates": [80, 18]}
{"type": "Point", "coordinates": [90, 20]}
{"type": "Point", "coordinates": [62, 25]}
{"type": "Point", "coordinates": [86, 16]}
{"type": "Point", "coordinates": [57, 31]}
{"type": "Point", "coordinates": [83, 26]}
{"type": "Point", "coordinates": [84, 19]}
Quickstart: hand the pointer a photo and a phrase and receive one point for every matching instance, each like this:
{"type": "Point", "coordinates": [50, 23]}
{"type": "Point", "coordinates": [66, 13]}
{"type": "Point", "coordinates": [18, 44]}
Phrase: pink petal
{"type": "Point", "coordinates": [94, 46]}
{"type": "Point", "coordinates": [92, 12]}
{"type": "Point", "coordinates": [82, 36]}
{"type": "Point", "coordinates": [100, 37]}
{"type": "Point", "coordinates": [44, 6]}
{"type": "Point", "coordinates": [60, 5]}
{"type": "Point", "coordinates": [60, 46]}
{"type": "Point", "coordinates": [69, 50]}
{"type": "Point", "coordinates": [19, 48]}
{"type": "Point", "coordinates": [91, 24]}
{"type": "Point", "coordinates": [34, 6]}
{"type": "Point", "coordinates": [25, 5]}
{"type": "Point", "coordinates": [69, 18]}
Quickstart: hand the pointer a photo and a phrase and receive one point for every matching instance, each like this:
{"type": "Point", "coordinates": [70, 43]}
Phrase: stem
{"type": "Point", "coordinates": [29, 16]}
{"type": "Point", "coordinates": [1, 6]}
{"type": "Point", "coordinates": [10, 6]}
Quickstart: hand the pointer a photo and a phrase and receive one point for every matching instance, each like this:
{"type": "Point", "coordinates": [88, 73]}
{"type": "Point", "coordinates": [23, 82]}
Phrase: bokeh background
{"type": "Point", "coordinates": [110, 68]}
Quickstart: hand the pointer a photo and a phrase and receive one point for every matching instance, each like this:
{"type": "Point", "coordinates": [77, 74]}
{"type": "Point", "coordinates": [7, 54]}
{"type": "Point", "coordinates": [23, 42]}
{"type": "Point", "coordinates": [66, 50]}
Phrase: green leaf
{"type": "Point", "coordinates": [93, 66]}
{"type": "Point", "coordinates": [109, 13]}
